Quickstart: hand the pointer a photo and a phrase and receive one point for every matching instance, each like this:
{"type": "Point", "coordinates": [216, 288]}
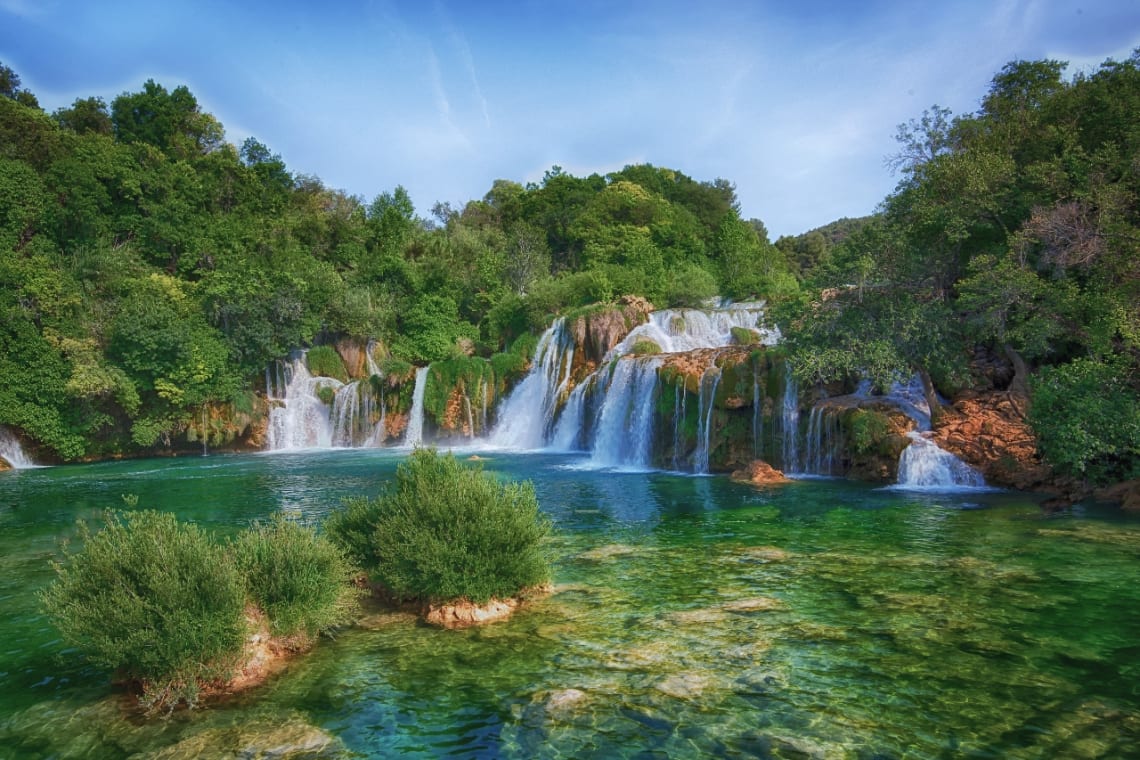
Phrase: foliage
{"type": "Point", "coordinates": [1087, 419]}
{"type": "Point", "coordinates": [153, 598]}
{"type": "Point", "coordinates": [645, 347]}
{"type": "Point", "coordinates": [444, 531]}
{"type": "Point", "coordinates": [325, 361]}
{"type": "Point", "coordinates": [300, 580]}
{"type": "Point", "coordinates": [865, 429]}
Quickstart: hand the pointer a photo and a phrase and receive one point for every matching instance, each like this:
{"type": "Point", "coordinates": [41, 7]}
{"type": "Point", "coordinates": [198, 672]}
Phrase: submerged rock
{"type": "Point", "coordinates": [293, 739]}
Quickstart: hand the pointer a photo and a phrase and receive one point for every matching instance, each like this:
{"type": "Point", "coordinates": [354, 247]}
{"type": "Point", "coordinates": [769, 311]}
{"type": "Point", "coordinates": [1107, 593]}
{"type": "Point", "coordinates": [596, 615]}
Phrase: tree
{"type": "Point", "coordinates": [922, 140]}
{"type": "Point", "coordinates": [86, 115]}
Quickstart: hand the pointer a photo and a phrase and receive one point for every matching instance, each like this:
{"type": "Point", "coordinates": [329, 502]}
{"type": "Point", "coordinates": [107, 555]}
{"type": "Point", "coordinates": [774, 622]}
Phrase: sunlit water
{"type": "Point", "coordinates": [693, 617]}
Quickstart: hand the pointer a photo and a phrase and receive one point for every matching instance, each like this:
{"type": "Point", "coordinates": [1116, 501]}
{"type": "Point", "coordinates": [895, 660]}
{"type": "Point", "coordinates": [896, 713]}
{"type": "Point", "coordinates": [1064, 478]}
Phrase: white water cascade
{"type": "Point", "coordinates": [624, 429]}
{"type": "Point", "coordinates": [414, 435]}
{"type": "Point", "coordinates": [689, 329]}
{"type": "Point", "coordinates": [12, 453]}
{"type": "Point", "coordinates": [709, 382]}
{"type": "Point", "coordinates": [300, 419]}
{"type": "Point", "coordinates": [526, 417]}
{"type": "Point", "coordinates": [610, 413]}
{"type": "Point", "coordinates": [923, 465]}
{"type": "Point", "coordinates": [790, 423]}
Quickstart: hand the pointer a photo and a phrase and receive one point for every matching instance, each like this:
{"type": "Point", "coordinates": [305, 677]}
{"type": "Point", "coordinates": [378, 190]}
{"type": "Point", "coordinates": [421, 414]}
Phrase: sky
{"type": "Point", "coordinates": [796, 103]}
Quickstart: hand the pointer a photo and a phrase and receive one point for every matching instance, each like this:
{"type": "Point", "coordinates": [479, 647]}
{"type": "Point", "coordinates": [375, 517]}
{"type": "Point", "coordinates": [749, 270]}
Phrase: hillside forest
{"type": "Point", "coordinates": [150, 269]}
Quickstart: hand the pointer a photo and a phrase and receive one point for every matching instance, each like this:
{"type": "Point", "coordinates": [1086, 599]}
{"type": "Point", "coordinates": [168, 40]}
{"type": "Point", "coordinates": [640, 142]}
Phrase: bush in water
{"type": "Point", "coordinates": [299, 579]}
{"type": "Point", "coordinates": [155, 599]}
{"type": "Point", "coordinates": [444, 531]}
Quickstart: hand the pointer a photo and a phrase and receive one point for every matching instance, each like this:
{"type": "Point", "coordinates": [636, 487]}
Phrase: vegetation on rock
{"type": "Point", "coordinates": [444, 531]}
{"type": "Point", "coordinates": [170, 608]}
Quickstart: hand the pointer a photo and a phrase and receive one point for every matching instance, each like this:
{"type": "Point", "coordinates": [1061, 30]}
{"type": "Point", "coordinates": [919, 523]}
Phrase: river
{"type": "Point", "coordinates": [693, 617]}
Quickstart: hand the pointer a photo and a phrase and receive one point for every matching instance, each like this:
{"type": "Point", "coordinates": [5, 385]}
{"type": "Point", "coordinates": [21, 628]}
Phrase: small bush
{"type": "Point", "coordinates": [444, 531]}
{"type": "Point", "coordinates": [300, 580]}
{"type": "Point", "coordinates": [324, 361]}
{"type": "Point", "coordinates": [866, 429]}
{"type": "Point", "coordinates": [690, 287]}
{"type": "Point", "coordinates": [155, 599]}
{"type": "Point", "coordinates": [645, 347]}
{"type": "Point", "coordinates": [397, 371]}
{"type": "Point", "coordinates": [742, 336]}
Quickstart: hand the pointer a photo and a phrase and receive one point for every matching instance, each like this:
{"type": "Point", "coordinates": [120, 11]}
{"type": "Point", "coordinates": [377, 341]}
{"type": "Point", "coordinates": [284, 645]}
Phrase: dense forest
{"type": "Point", "coordinates": [1014, 230]}
{"type": "Point", "coordinates": [149, 268]}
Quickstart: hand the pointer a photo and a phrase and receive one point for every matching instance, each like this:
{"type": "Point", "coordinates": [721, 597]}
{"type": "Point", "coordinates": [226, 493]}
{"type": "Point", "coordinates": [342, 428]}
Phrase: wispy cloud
{"type": "Point", "coordinates": [463, 50]}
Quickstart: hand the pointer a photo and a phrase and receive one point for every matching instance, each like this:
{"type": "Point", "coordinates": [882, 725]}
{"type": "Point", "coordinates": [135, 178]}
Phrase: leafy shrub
{"type": "Point", "coordinates": [645, 347]}
{"type": "Point", "coordinates": [444, 531]}
{"type": "Point", "coordinates": [742, 336]}
{"type": "Point", "coordinates": [324, 361]}
{"type": "Point", "coordinates": [397, 370]}
{"type": "Point", "coordinates": [156, 599]}
{"type": "Point", "coordinates": [300, 580]}
{"type": "Point", "coordinates": [1087, 420]}
{"type": "Point", "coordinates": [509, 366]}
{"type": "Point", "coordinates": [865, 429]}
{"type": "Point", "coordinates": [690, 286]}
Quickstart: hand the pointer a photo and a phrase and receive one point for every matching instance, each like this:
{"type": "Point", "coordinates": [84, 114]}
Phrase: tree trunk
{"type": "Point", "coordinates": [1019, 386]}
{"type": "Point", "coordinates": [931, 397]}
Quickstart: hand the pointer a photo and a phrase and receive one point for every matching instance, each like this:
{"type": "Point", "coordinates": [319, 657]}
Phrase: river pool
{"type": "Point", "coordinates": [692, 617]}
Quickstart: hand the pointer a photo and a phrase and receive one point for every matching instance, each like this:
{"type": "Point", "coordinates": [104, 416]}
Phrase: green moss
{"type": "Point", "coordinates": [742, 336]}
{"type": "Point", "coordinates": [866, 430]}
{"type": "Point", "coordinates": [645, 347]}
{"type": "Point", "coordinates": [396, 371]}
{"type": "Point", "coordinates": [326, 394]}
{"type": "Point", "coordinates": [324, 361]}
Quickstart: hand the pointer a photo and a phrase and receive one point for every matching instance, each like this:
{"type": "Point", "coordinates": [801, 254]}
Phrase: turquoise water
{"type": "Point", "coordinates": [692, 617]}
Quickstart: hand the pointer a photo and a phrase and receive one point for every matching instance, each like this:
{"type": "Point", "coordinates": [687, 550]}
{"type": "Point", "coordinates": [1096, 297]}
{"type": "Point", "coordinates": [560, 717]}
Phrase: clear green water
{"type": "Point", "coordinates": [693, 618]}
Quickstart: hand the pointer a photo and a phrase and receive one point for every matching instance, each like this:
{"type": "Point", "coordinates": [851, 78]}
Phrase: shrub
{"type": "Point", "coordinates": [324, 361]}
{"type": "Point", "coordinates": [742, 336]}
{"type": "Point", "coordinates": [156, 599]}
{"type": "Point", "coordinates": [444, 531]}
{"type": "Point", "coordinates": [300, 580]}
{"type": "Point", "coordinates": [689, 287]}
{"type": "Point", "coordinates": [866, 429]}
{"type": "Point", "coordinates": [645, 347]}
{"type": "Point", "coordinates": [1087, 419]}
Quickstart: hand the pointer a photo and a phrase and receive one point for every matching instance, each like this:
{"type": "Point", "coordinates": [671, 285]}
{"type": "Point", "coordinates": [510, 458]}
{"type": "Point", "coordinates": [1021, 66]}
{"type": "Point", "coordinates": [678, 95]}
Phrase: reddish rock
{"type": "Point", "coordinates": [760, 473]}
{"type": "Point", "coordinates": [990, 433]}
{"type": "Point", "coordinates": [353, 356]}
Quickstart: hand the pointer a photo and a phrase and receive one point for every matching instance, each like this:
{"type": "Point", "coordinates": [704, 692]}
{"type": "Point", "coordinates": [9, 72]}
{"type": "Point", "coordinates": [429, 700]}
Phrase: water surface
{"type": "Point", "coordinates": [693, 617]}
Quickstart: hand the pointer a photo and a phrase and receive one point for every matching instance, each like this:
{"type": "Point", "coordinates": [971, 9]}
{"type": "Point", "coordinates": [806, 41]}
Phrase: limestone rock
{"type": "Point", "coordinates": [463, 613]}
{"type": "Point", "coordinates": [760, 473]}
{"type": "Point", "coordinates": [1126, 494]}
{"type": "Point", "coordinates": [989, 432]}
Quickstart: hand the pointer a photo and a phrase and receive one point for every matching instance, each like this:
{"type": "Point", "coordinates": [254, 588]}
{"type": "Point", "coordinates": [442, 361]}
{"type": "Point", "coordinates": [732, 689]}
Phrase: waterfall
{"type": "Point", "coordinates": [710, 379]}
{"type": "Point", "coordinates": [757, 411]}
{"type": "Point", "coordinates": [11, 451]}
{"type": "Point", "coordinates": [679, 395]}
{"type": "Point", "coordinates": [301, 419]}
{"type": "Point", "coordinates": [414, 434]}
{"type": "Point", "coordinates": [568, 433]}
{"type": "Point", "coordinates": [820, 441]}
{"type": "Point", "coordinates": [689, 329]}
{"type": "Point", "coordinates": [346, 415]}
{"type": "Point", "coordinates": [790, 422]}
{"type": "Point", "coordinates": [923, 465]}
{"type": "Point", "coordinates": [625, 422]}
{"type": "Point", "coordinates": [527, 415]}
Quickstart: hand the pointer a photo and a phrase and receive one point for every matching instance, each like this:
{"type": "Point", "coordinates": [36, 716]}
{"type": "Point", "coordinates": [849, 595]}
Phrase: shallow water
{"type": "Point", "coordinates": [693, 617]}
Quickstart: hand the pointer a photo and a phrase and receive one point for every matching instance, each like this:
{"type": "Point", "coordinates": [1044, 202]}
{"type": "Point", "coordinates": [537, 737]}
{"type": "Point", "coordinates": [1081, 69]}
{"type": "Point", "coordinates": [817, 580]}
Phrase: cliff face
{"type": "Point", "coordinates": [989, 432]}
{"type": "Point", "coordinates": [598, 329]}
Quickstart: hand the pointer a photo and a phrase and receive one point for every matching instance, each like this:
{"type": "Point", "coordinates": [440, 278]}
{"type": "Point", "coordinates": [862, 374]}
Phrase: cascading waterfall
{"type": "Point", "coordinates": [710, 379]}
{"type": "Point", "coordinates": [624, 430]}
{"type": "Point", "coordinates": [414, 435]}
{"type": "Point", "coordinates": [757, 411]}
{"type": "Point", "coordinates": [790, 423]}
{"type": "Point", "coordinates": [300, 420]}
{"type": "Point", "coordinates": [678, 424]}
{"type": "Point", "coordinates": [923, 465]}
{"type": "Point", "coordinates": [527, 416]}
{"type": "Point", "coordinates": [689, 329]}
{"type": "Point", "coordinates": [820, 442]}
{"type": "Point", "coordinates": [11, 451]}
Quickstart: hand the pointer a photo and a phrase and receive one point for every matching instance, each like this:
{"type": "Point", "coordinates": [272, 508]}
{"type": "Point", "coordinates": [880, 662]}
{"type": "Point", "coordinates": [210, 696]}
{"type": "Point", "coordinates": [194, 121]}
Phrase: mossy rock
{"type": "Point", "coordinates": [742, 336]}
{"type": "Point", "coordinates": [325, 361]}
{"type": "Point", "coordinates": [645, 347]}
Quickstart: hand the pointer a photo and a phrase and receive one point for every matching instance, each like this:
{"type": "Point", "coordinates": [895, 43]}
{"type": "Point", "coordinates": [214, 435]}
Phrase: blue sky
{"type": "Point", "coordinates": [795, 102]}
